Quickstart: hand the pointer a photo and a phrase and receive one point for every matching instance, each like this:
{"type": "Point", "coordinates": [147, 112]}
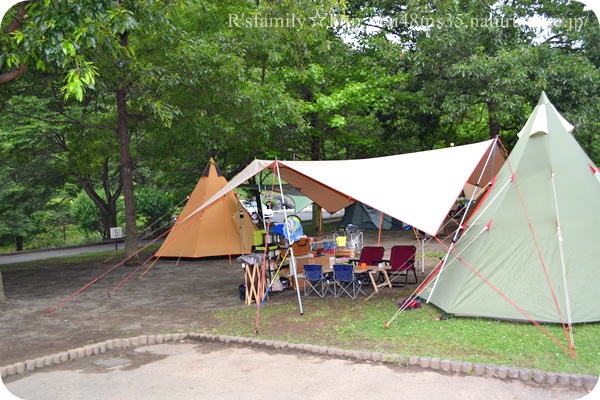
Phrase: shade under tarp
{"type": "Point", "coordinates": [365, 217]}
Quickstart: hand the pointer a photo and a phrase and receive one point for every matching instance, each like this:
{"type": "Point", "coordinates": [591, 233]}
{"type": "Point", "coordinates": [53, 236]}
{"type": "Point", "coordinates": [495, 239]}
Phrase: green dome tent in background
{"type": "Point", "coordinates": [365, 217]}
{"type": "Point", "coordinates": [528, 251]}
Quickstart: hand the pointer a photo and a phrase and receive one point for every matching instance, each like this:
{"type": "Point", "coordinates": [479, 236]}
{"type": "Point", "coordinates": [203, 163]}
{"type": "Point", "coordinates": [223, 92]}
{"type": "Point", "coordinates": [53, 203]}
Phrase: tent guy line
{"type": "Point", "coordinates": [149, 232]}
{"type": "Point", "coordinates": [513, 229]}
{"type": "Point", "coordinates": [562, 263]}
{"type": "Point", "coordinates": [438, 270]}
{"type": "Point", "coordinates": [210, 171]}
{"type": "Point", "coordinates": [569, 326]}
{"type": "Point", "coordinates": [224, 229]}
{"type": "Point", "coordinates": [59, 304]}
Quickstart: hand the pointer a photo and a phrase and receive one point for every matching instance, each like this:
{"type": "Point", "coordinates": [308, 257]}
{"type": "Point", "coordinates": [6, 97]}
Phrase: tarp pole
{"type": "Point", "coordinates": [422, 254]}
{"type": "Point", "coordinates": [259, 203]}
{"type": "Point", "coordinates": [380, 226]}
{"type": "Point", "coordinates": [291, 249]}
{"type": "Point", "coordinates": [321, 223]}
{"type": "Point", "coordinates": [295, 273]}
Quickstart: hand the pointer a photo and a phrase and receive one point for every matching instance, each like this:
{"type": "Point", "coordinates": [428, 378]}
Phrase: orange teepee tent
{"type": "Point", "coordinates": [222, 229]}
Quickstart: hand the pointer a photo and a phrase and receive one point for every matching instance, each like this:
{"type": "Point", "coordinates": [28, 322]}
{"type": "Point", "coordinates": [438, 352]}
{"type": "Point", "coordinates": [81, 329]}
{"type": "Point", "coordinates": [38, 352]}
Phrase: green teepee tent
{"type": "Point", "coordinates": [529, 251]}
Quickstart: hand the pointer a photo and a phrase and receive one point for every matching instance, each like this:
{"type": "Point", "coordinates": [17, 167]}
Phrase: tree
{"type": "Point", "coordinates": [475, 64]}
{"type": "Point", "coordinates": [59, 37]}
{"type": "Point", "coordinates": [167, 87]}
{"type": "Point", "coordinates": [71, 138]}
{"type": "Point", "coordinates": [47, 35]}
{"type": "Point", "coordinates": [31, 177]}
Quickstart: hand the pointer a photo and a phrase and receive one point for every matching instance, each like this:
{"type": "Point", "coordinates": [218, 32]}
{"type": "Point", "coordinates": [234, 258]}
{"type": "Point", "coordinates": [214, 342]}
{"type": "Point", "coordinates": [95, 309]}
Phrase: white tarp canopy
{"type": "Point", "coordinates": [417, 188]}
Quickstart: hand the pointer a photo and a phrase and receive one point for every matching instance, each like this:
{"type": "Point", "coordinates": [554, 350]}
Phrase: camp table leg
{"type": "Point", "coordinates": [386, 282]}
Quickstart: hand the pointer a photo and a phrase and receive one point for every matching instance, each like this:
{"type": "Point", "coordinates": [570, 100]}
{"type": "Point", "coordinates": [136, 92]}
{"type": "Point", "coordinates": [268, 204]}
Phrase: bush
{"type": "Point", "coordinates": [86, 213]}
{"type": "Point", "coordinates": [154, 206]}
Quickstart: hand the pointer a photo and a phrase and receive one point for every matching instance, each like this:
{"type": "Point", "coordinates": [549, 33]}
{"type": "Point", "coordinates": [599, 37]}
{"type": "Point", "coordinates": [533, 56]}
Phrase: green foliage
{"type": "Point", "coordinates": [86, 214]}
{"type": "Point", "coordinates": [469, 71]}
{"type": "Point", "coordinates": [155, 206]}
{"type": "Point", "coordinates": [31, 180]}
{"type": "Point", "coordinates": [77, 80]}
{"type": "Point", "coordinates": [199, 86]}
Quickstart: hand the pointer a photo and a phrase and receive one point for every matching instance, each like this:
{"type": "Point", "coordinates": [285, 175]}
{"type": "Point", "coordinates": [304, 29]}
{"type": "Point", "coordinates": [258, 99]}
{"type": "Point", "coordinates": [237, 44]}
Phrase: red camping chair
{"type": "Point", "coordinates": [402, 260]}
{"type": "Point", "coordinates": [370, 255]}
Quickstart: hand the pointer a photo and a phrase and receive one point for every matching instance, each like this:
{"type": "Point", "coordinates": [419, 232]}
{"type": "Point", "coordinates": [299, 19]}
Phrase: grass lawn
{"type": "Point", "coordinates": [359, 325]}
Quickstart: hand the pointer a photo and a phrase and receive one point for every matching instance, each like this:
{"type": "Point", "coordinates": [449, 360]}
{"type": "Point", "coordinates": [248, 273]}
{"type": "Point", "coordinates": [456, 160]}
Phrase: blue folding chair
{"type": "Point", "coordinates": [345, 281]}
{"type": "Point", "coordinates": [314, 281]}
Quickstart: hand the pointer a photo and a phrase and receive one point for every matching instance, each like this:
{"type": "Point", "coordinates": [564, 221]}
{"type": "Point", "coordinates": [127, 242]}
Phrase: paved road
{"type": "Point", "coordinates": [40, 255]}
{"type": "Point", "coordinates": [217, 371]}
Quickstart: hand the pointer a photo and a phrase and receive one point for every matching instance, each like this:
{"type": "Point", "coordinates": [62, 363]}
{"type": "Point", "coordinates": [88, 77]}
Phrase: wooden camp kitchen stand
{"type": "Point", "coordinates": [252, 264]}
{"type": "Point", "coordinates": [252, 279]}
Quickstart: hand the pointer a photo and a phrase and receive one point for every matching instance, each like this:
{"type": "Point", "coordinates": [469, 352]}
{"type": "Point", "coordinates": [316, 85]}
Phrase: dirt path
{"type": "Point", "coordinates": [172, 296]}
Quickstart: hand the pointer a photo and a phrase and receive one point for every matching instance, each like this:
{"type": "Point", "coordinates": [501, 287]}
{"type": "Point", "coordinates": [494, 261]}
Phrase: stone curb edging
{"type": "Point", "coordinates": [587, 382]}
